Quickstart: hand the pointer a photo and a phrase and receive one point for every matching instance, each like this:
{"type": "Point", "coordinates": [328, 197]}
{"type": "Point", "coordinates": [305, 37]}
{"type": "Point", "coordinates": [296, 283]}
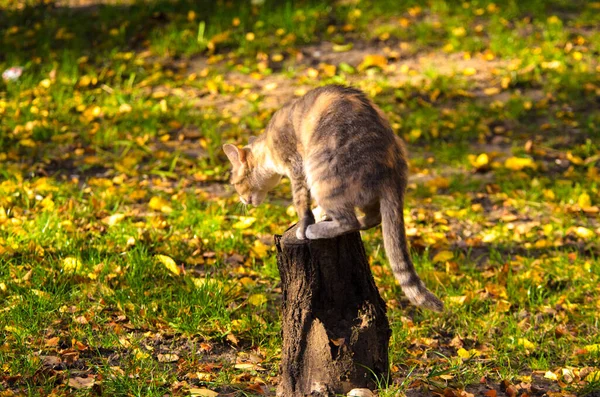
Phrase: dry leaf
{"type": "Point", "coordinates": [160, 204]}
{"type": "Point", "coordinates": [71, 264]}
{"type": "Point", "coordinates": [169, 263]}
{"type": "Point", "coordinates": [374, 60]}
{"type": "Point", "coordinates": [257, 299]}
{"type": "Point", "coordinates": [167, 358]}
{"type": "Point", "coordinates": [202, 392]}
{"type": "Point", "coordinates": [244, 222]}
{"type": "Point", "coordinates": [519, 163]}
{"type": "Point", "coordinates": [81, 383]}
{"type": "Point", "coordinates": [443, 256]}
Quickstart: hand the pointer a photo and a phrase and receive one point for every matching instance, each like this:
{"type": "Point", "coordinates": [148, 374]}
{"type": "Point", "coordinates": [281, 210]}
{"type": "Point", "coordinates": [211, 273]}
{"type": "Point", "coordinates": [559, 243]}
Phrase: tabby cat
{"type": "Point", "coordinates": [337, 147]}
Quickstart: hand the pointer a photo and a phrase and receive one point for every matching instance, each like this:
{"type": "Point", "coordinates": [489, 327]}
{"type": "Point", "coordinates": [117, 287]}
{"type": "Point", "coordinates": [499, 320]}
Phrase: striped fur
{"type": "Point", "coordinates": [337, 147]}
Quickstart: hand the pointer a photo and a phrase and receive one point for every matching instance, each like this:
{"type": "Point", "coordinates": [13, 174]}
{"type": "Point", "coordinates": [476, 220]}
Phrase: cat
{"type": "Point", "coordinates": [337, 147]}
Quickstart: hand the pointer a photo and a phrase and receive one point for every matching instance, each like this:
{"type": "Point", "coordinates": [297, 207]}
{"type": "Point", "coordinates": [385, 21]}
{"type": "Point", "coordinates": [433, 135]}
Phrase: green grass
{"type": "Point", "coordinates": [110, 164]}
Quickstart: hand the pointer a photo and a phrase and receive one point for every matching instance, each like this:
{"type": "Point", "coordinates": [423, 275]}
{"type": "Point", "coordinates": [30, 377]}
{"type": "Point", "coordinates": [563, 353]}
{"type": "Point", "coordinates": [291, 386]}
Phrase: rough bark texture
{"type": "Point", "coordinates": [335, 330]}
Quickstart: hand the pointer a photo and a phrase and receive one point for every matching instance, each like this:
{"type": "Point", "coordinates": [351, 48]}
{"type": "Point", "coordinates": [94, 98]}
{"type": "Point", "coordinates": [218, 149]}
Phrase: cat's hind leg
{"type": "Point", "coordinates": [372, 216]}
{"type": "Point", "coordinates": [341, 222]}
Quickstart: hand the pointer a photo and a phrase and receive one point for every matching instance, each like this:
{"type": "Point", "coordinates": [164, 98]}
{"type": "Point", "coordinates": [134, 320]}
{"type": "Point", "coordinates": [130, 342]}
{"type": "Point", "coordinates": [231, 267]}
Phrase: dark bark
{"type": "Point", "coordinates": [335, 330]}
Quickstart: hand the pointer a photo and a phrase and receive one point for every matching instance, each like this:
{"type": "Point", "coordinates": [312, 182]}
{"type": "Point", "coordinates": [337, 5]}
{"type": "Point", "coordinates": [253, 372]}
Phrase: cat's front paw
{"type": "Point", "coordinates": [301, 233]}
{"type": "Point", "coordinates": [310, 234]}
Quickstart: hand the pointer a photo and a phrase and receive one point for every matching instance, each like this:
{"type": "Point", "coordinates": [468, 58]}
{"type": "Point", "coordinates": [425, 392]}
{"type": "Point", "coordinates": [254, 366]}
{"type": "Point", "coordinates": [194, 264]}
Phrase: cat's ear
{"type": "Point", "coordinates": [236, 155]}
{"type": "Point", "coordinates": [251, 139]}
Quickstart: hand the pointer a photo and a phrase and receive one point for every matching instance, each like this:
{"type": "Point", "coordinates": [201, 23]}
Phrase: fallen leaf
{"type": "Point", "coordinates": [169, 263]}
{"type": "Point", "coordinates": [257, 299]}
{"type": "Point", "coordinates": [233, 339]}
{"type": "Point", "coordinates": [593, 377]}
{"type": "Point", "coordinates": [71, 264]}
{"type": "Point", "coordinates": [160, 204]}
{"type": "Point", "coordinates": [524, 342]}
{"type": "Point", "coordinates": [244, 222]}
{"type": "Point", "coordinates": [342, 47]}
{"type": "Point", "coordinates": [81, 383]}
{"type": "Point", "coordinates": [519, 163]}
{"type": "Point", "coordinates": [167, 358]}
{"type": "Point", "coordinates": [113, 219]}
{"type": "Point", "coordinates": [360, 393]}
{"type": "Point", "coordinates": [443, 256]}
{"type": "Point", "coordinates": [260, 248]}
{"type": "Point", "coordinates": [202, 392]}
{"type": "Point", "coordinates": [51, 342]}
{"type": "Point", "coordinates": [374, 60]}
{"type": "Point", "coordinates": [463, 353]}
{"type": "Point", "coordinates": [584, 232]}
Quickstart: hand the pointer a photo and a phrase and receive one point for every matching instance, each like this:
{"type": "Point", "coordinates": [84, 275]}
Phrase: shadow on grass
{"type": "Point", "coordinates": [51, 33]}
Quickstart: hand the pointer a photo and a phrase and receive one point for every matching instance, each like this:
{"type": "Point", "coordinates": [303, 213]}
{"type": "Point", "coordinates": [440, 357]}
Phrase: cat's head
{"type": "Point", "coordinates": [249, 178]}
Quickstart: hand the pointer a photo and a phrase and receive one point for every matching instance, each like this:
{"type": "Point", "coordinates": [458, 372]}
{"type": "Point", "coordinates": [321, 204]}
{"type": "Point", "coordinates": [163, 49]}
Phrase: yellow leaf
{"type": "Point", "coordinates": [463, 353]}
{"type": "Point", "coordinates": [160, 204]}
{"type": "Point", "coordinates": [459, 32]}
{"type": "Point", "coordinates": [47, 203]}
{"type": "Point", "coordinates": [202, 392]}
{"type": "Point", "coordinates": [27, 142]}
{"type": "Point", "coordinates": [291, 211]}
{"type": "Point", "coordinates": [207, 282]}
{"type": "Point", "coordinates": [259, 248]}
{"type": "Point", "coordinates": [524, 342]}
{"type": "Point", "coordinates": [584, 200]}
{"type": "Point", "coordinates": [342, 47]}
{"type": "Point", "coordinates": [503, 306]}
{"type": "Point", "coordinates": [519, 163]}
{"type": "Point", "coordinates": [374, 60]}
{"type": "Point", "coordinates": [169, 263]}
{"type": "Point", "coordinates": [469, 71]}
{"type": "Point", "coordinates": [257, 299]}
{"type": "Point", "coordinates": [71, 264]}
{"type": "Point", "coordinates": [480, 161]}
{"type": "Point", "coordinates": [584, 232]}
{"type": "Point", "coordinates": [415, 134]}
{"type": "Point", "coordinates": [458, 300]}
{"type": "Point", "coordinates": [125, 108]}
{"type": "Point", "coordinates": [247, 282]}
{"type": "Point", "coordinates": [244, 366]}
{"type": "Point", "coordinates": [550, 375]}
{"type": "Point", "coordinates": [443, 256]}
{"type": "Point", "coordinates": [167, 358]}
{"type": "Point", "coordinates": [439, 182]}
{"type": "Point", "coordinates": [593, 377]}
{"type": "Point", "coordinates": [328, 70]}
{"type": "Point", "coordinates": [140, 355]}
{"type": "Point", "coordinates": [113, 219]}
{"type": "Point", "coordinates": [244, 222]}
{"type": "Point", "coordinates": [491, 91]}
{"type": "Point", "coordinates": [595, 348]}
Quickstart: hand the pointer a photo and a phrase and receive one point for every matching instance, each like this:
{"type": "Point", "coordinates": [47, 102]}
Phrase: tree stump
{"type": "Point", "coordinates": [335, 330]}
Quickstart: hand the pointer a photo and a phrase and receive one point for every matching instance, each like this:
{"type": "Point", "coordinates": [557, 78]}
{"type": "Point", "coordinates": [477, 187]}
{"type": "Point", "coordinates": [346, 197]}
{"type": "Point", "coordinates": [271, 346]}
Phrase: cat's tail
{"type": "Point", "coordinates": [394, 241]}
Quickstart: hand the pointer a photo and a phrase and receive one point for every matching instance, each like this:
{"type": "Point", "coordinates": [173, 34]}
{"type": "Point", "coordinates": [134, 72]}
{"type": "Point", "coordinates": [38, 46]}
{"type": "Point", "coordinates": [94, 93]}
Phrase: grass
{"type": "Point", "coordinates": [127, 267]}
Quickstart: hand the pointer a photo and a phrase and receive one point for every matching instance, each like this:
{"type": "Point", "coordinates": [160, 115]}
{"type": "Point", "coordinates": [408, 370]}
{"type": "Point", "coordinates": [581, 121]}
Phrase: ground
{"type": "Point", "coordinates": [129, 267]}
